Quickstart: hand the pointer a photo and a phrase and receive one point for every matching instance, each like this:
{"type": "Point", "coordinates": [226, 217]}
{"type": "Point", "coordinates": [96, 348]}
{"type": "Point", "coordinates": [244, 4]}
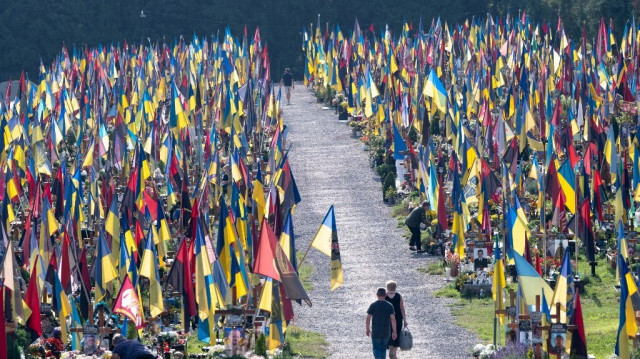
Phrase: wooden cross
{"type": "Point", "coordinates": [101, 321]}
{"type": "Point", "coordinates": [514, 323]}
{"type": "Point", "coordinates": [537, 352]}
{"type": "Point", "coordinates": [554, 317]}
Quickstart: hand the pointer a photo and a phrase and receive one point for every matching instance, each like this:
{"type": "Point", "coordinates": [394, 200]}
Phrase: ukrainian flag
{"type": "Point", "coordinates": [517, 226]}
{"type": "Point", "coordinates": [433, 88]}
{"type": "Point", "coordinates": [564, 290]}
{"type": "Point", "coordinates": [458, 227]}
{"type": "Point", "coordinates": [567, 180]}
{"type": "Point", "coordinates": [226, 237]}
{"type": "Point", "coordinates": [628, 326]}
{"type": "Point", "coordinates": [149, 269]}
{"type": "Point", "coordinates": [530, 281]}
{"type": "Point", "coordinates": [287, 241]}
{"type": "Point", "coordinates": [322, 240]}
{"type": "Point", "coordinates": [104, 269]}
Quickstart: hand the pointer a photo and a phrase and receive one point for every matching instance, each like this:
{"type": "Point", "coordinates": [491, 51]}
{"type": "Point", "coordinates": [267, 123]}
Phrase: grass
{"type": "Point", "coordinates": [600, 307]}
{"type": "Point", "coordinates": [473, 314]}
{"type": "Point", "coordinates": [305, 271]}
{"type": "Point", "coordinates": [307, 344]}
{"type": "Point", "coordinates": [194, 346]}
{"type": "Point", "coordinates": [433, 269]}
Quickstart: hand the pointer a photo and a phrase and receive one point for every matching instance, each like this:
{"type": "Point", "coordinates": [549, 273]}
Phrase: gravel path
{"type": "Point", "coordinates": [331, 168]}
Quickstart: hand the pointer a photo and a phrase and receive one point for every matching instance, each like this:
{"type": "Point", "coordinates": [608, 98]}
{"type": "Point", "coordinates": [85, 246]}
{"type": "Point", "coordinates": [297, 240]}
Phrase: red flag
{"type": "Point", "coordinates": [139, 234]}
{"type": "Point", "coordinates": [599, 194]}
{"type": "Point", "coordinates": [152, 205]}
{"type": "Point", "coordinates": [538, 265]}
{"type": "Point", "coordinates": [558, 219]}
{"type": "Point", "coordinates": [265, 259]}
{"type": "Point", "coordinates": [128, 304]}
{"type": "Point", "coordinates": [527, 251]}
{"type": "Point", "coordinates": [32, 299]}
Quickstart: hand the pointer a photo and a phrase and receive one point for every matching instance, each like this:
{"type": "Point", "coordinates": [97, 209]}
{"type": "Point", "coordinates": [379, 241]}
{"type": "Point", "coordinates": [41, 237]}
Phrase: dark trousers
{"type": "Point", "coordinates": [415, 238]}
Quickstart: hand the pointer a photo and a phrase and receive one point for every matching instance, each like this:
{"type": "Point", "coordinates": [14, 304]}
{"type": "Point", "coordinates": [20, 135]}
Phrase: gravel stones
{"type": "Point", "coordinates": [330, 167]}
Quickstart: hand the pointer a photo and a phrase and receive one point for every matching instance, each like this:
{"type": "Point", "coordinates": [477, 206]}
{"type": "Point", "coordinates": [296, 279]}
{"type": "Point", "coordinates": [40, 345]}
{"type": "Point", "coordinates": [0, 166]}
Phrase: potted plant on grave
{"type": "Point", "coordinates": [391, 193]}
{"type": "Point", "coordinates": [451, 262]}
{"type": "Point", "coordinates": [356, 128]}
{"type": "Point", "coordinates": [343, 114]}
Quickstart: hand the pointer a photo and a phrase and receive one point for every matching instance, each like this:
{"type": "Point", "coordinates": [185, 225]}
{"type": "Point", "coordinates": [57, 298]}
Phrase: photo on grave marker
{"type": "Point", "coordinates": [480, 260]}
{"type": "Point", "coordinates": [234, 340]}
{"type": "Point", "coordinates": [558, 338]}
{"type": "Point", "coordinates": [557, 247]}
{"type": "Point", "coordinates": [524, 327]}
{"type": "Point", "coordinates": [536, 328]}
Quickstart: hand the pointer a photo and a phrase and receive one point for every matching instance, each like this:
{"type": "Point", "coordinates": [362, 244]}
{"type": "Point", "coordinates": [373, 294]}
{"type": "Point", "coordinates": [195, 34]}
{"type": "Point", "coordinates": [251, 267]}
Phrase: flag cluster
{"type": "Point", "coordinates": [488, 108]}
{"type": "Point", "coordinates": [114, 154]}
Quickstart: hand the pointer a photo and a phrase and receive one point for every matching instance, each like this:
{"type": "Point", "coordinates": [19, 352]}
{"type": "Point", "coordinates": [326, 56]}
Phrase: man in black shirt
{"type": "Point", "coordinates": [417, 216]}
{"type": "Point", "coordinates": [382, 315]}
{"type": "Point", "coordinates": [129, 349]}
{"type": "Point", "coordinates": [481, 262]}
{"type": "Point", "coordinates": [287, 81]}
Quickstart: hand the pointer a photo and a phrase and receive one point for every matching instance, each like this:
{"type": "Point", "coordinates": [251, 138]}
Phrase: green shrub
{"type": "Point", "coordinates": [389, 181]}
{"type": "Point", "coordinates": [391, 193]}
{"type": "Point", "coordinates": [261, 346]}
{"type": "Point", "coordinates": [382, 170]}
{"type": "Point", "coordinates": [321, 93]}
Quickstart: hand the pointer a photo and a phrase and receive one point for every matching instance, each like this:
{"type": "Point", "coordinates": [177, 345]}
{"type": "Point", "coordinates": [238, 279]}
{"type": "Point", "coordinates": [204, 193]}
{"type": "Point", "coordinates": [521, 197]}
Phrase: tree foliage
{"type": "Point", "coordinates": [31, 30]}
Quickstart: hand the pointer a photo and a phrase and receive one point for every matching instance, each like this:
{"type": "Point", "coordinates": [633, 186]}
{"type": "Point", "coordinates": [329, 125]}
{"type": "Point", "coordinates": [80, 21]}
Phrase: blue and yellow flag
{"type": "Point", "coordinates": [149, 269]}
{"type": "Point", "coordinates": [567, 180]}
{"type": "Point", "coordinates": [530, 281]}
{"type": "Point", "coordinates": [564, 290]}
{"type": "Point", "coordinates": [499, 282]}
{"type": "Point", "coordinates": [326, 241]}
{"type": "Point", "coordinates": [627, 326]}
{"type": "Point", "coordinates": [104, 271]}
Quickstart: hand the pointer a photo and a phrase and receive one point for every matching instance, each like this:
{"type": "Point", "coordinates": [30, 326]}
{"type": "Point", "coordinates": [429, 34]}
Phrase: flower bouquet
{"type": "Point", "coordinates": [451, 263]}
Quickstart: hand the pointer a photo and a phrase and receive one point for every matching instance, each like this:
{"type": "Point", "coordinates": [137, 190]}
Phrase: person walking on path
{"type": "Point", "coordinates": [287, 81]}
{"type": "Point", "coordinates": [417, 216]}
{"type": "Point", "coordinates": [381, 324]}
{"type": "Point", "coordinates": [398, 307]}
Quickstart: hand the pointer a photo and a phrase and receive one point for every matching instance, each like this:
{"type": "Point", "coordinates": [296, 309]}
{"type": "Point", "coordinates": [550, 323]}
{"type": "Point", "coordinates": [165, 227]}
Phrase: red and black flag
{"type": "Point", "coordinates": [552, 186]}
{"type": "Point", "coordinates": [511, 156]}
{"type": "Point", "coordinates": [85, 284]}
{"type": "Point", "coordinates": [585, 230]}
{"type": "Point", "coordinates": [58, 191]}
{"type": "Point", "coordinates": [490, 183]}
{"type": "Point", "coordinates": [578, 337]}
{"type": "Point", "coordinates": [180, 278]}
{"type": "Point", "coordinates": [599, 194]}
{"type": "Point", "coordinates": [129, 198]}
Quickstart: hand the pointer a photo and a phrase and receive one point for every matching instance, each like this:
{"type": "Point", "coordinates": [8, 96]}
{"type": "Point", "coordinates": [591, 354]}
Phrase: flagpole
{"type": "Point", "coordinates": [308, 248]}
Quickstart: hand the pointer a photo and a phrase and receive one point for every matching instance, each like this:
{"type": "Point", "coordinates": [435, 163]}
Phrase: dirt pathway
{"type": "Point", "coordinates": [331, 168]}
